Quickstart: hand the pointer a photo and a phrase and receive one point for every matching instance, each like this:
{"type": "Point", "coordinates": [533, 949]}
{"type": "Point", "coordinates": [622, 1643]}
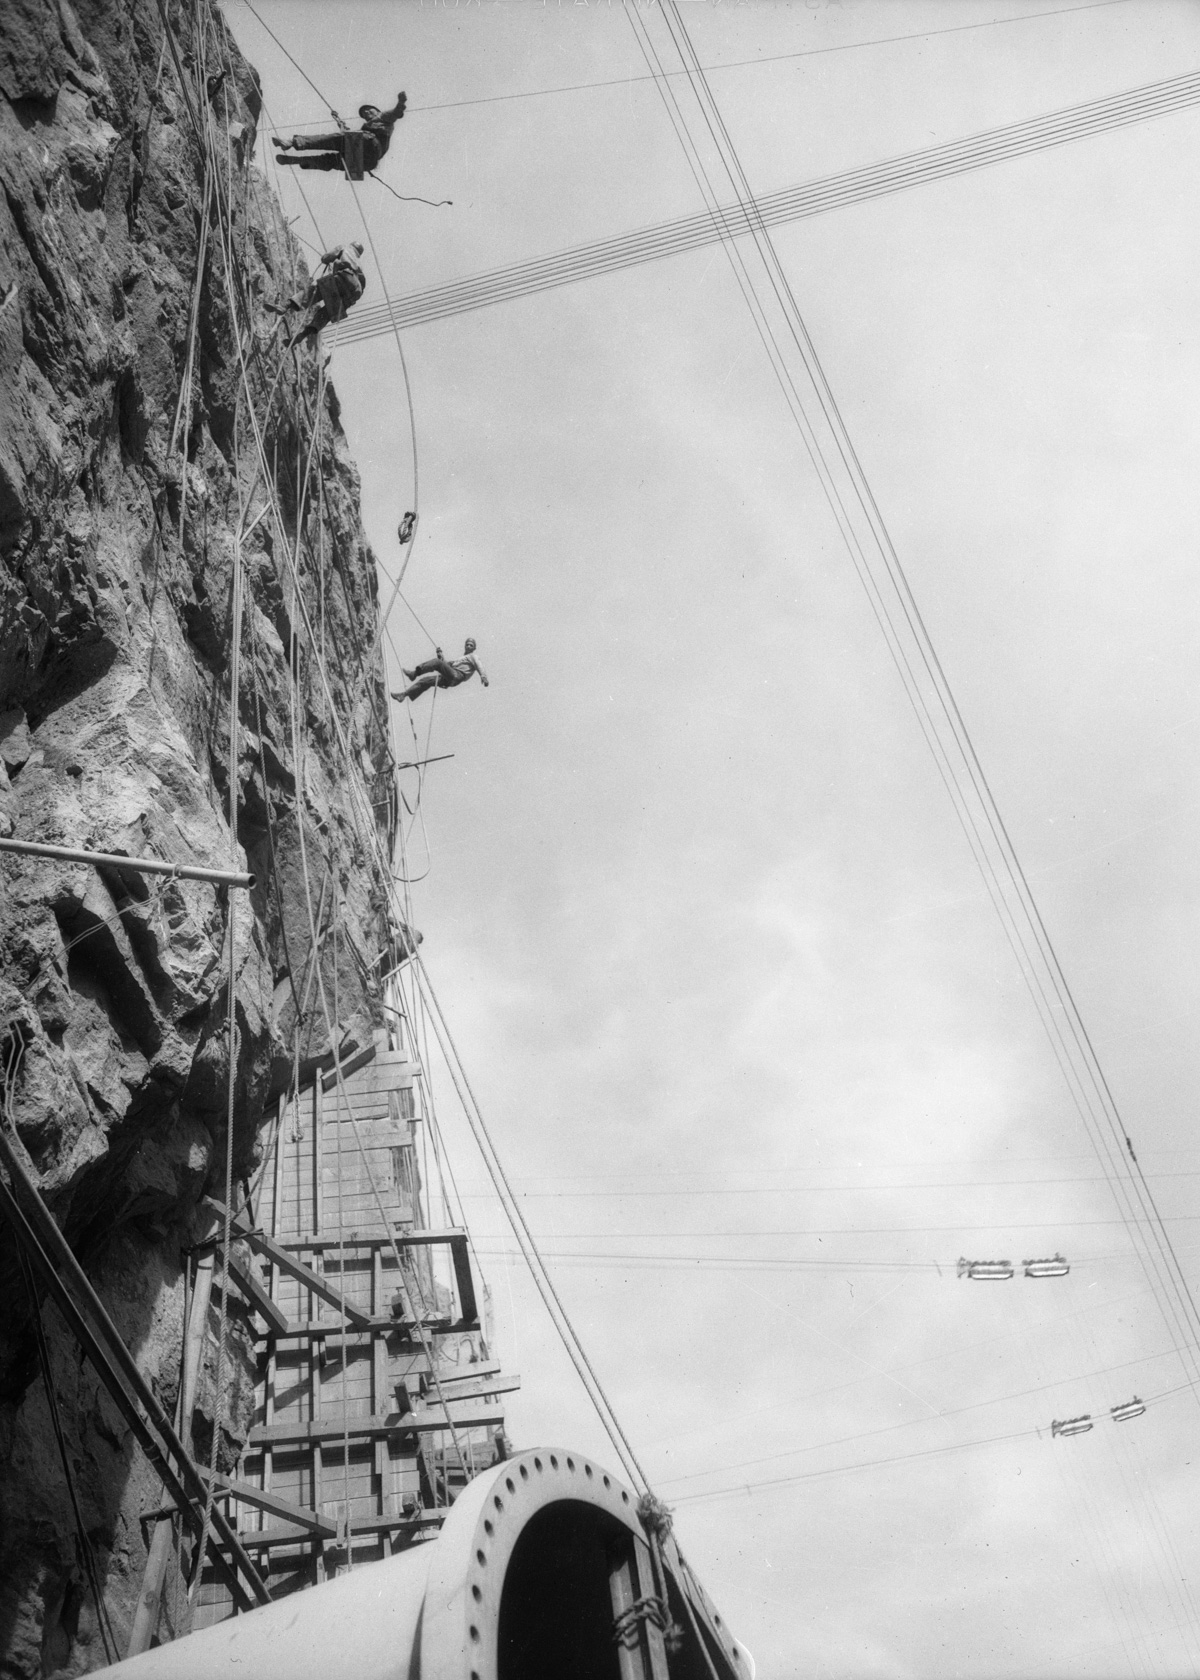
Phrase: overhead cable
{"type": "Point", "coordinates": [526, 1241]}
{"type": "Point", "coordinates": [739, 219]}
{"type": "Point", "coordinates": [827, 441]}
{"type": "Point", "coordinates": [914, 1422]}
{"type": "Point", "coordinates": [770, 58]}
{"type": "Point", "coordinates": [730, 64]}
{"type": "Point", "coordinates": [877, 1463]}
{"type": "Point", "coordinates": [814, 410]}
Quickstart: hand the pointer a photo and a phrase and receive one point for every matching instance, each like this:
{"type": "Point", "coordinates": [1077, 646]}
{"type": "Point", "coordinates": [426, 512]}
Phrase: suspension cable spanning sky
{"type": "Point", "coordinates": [814, 198]}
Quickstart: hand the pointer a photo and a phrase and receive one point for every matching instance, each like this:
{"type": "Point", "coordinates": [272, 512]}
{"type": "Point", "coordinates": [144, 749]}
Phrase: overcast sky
{"type": "Point", "coordinates": [714, 949]}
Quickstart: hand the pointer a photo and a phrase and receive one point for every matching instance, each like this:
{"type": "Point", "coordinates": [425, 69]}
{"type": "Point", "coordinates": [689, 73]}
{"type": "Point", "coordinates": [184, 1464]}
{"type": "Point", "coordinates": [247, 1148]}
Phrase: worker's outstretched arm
{"type": "Point", "coordinates": [397, 111]}
{"type": "Point", "coordinates": [482, 677]}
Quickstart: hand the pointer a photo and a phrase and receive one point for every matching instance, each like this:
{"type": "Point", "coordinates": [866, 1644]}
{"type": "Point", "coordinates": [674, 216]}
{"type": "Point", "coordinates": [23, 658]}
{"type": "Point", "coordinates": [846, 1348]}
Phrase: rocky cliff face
{"type": "Point", "coordinates": [148, 412]}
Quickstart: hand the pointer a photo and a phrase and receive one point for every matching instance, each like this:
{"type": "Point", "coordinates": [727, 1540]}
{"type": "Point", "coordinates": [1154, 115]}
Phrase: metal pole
{"type": "Point", "coordinates": [145, 1617]}
{"type": "Point", "coordinates": [49, 1248]}
{"type": "Point", "coordinates": [117, 860]}
{"type": "Point", "coordinates": [78, 1324]}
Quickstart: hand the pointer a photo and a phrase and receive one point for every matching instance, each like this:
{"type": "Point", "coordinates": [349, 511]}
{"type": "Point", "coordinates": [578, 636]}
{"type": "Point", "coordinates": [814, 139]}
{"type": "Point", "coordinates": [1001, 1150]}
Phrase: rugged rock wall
{"type": "Point", "coordinates": [116, 562]}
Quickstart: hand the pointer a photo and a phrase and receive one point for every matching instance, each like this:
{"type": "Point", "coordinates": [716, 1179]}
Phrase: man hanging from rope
{"type": "Point", "coordinates": [354, 151]}
{"type": "Point", "coordinates": [330, 295]}
{"type": "Point", "coordinates": [440, 672]}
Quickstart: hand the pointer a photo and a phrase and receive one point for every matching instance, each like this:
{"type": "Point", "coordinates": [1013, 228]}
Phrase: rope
{"type": "Point", "coordinates": [700, 1639]}
{"type": "Point", "coordinates": [765, 58]}
{"type": "Point", "coordinates": [409, 198]}
{"type": "Point", "coordinates": [206, 138]}
{"type": "Point", "coordinates": [230, 275]}
{"type": "Point", "coordinates": [289, 57]}
{"type": "Point", "coordinates": [541, 1277]}
{"type": "Point", "coordinates": [559, 1316]}
{"type": "Point", "coordinates": [185, 388]}
{"type": "Point", "coordinates": [345, 1337]}
{"type": "Point", "coordinates": [414, 1318]}
{"type": "Point", "coordinates": [183, 83]}
{"type": "Point", "coordinates": [234, 1045]}
{"type": "Point", "coordinates": [913, 169]}
{"type": "Point", "coordinates": [627, 1627]}
{"type": "Point", "coordinates": [412, 427]}
{"type": "Point", "coordinates": [330, 1022]}
{"type": "Point", "coordinates": [409, 608]}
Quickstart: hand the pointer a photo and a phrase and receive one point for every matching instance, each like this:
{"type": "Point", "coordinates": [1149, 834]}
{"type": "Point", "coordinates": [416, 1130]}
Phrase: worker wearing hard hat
{"type": "Point", "coordinates": [331, 150]}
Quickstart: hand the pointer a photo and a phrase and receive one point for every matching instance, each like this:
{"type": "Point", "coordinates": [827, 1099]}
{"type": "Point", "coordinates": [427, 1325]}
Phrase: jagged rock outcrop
{"type": "Point", "coordinates": [127, 459]}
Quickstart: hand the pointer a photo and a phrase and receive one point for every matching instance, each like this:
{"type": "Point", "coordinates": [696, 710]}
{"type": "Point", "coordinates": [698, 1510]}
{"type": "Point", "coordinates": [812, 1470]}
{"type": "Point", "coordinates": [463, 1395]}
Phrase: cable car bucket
{"type": "Point", "coordinates": [1072, 1426]}
{"type": "Point", "coordinates": [1130, 1409]}
{"type": "Point", "coordinates": [986, 1270]}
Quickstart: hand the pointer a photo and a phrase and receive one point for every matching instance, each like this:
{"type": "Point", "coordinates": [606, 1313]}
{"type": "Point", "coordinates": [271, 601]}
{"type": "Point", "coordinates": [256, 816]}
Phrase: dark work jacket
{"type": "Point", "coordinates": [377, 134]}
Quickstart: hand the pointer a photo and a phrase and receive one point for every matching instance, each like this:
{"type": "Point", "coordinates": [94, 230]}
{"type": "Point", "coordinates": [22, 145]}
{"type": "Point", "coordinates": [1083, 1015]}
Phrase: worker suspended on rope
{"type": "Point", "coordinates": [330, 294]}
{"type": "Point", "coordinates": [441, 672]}
{"type": "Point", "coordinates": [353, 150]}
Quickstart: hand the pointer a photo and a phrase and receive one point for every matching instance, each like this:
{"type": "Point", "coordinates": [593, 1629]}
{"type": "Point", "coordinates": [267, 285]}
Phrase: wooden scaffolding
{"type": "Point", "coordinates": [376, 1400]}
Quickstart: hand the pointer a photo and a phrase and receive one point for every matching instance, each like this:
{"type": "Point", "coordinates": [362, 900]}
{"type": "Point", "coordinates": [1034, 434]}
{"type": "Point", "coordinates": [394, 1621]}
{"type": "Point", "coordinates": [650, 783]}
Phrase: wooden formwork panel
{"type": "Point", "coordinates": [341, 1149]}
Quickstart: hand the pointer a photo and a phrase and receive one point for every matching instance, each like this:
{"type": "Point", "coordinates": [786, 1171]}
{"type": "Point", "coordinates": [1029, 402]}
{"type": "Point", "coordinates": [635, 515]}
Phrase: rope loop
{"type": "Point", "coordinates": [627, 1627]}
{"type": "Point", "coordinates": [655, 1516]}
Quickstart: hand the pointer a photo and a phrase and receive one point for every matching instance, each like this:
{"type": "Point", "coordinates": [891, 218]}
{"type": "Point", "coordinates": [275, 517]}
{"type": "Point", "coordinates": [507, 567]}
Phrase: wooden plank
{"type": "Point", "coordinates": [341, 1121]}
{"type": "Point", "coordinates": [462, 1276]}
{"type": "Point", "coordinates": [305, 1275]}
{"type": "Point", "coordinates": [433, 1327]}
{"type": "Point", "coordinates": [288, 1263]}
{"type": "Point", "coordinates": [145, 1617]}
{"type": "Point", "coordinates": [378, 1369]}
{"type": "Point", "coordinates": [404, 1235]}
{"type": "Point", "coordinates": [375, 1094]}
{"type": "Point", "coordinates": [254, 1292]}
{"type": "Point", "coordinates": [378, 1082]}
{"type": "Point", "coordinates": [348, 1068]}
{"type": "Point", "coordinates": [312, 1521]}
{"type": "Point", "coordinates": [376, 1139]}
{"type": "Point", "coordinates": [318, 1210]}
{"type": "Point", "coordinates": [372, 1088]}
{"type": "Point", "coordinates": [289, 1536]}
{"type": "Point", "coordinates": [427, 1420]}
{"type": "Point", "coordinates": [270, 1370]}
{"type": "Point", "coordinates": [320, 1564]}
{"type": "Point", "coordinates": [318, 1332]}
{"type": "Point", "coordinates": [359, 1208]}
{"type": "Point", "coordinates": [474, 1388]}
{"type": "Point", "coordinates": [454, 1373]}
{"type": "Point", "coordinates": [363, 1239]}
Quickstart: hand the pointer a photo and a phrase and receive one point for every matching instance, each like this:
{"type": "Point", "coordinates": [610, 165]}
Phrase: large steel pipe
{"type": "Point", "coordinates": [529, 1575]}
